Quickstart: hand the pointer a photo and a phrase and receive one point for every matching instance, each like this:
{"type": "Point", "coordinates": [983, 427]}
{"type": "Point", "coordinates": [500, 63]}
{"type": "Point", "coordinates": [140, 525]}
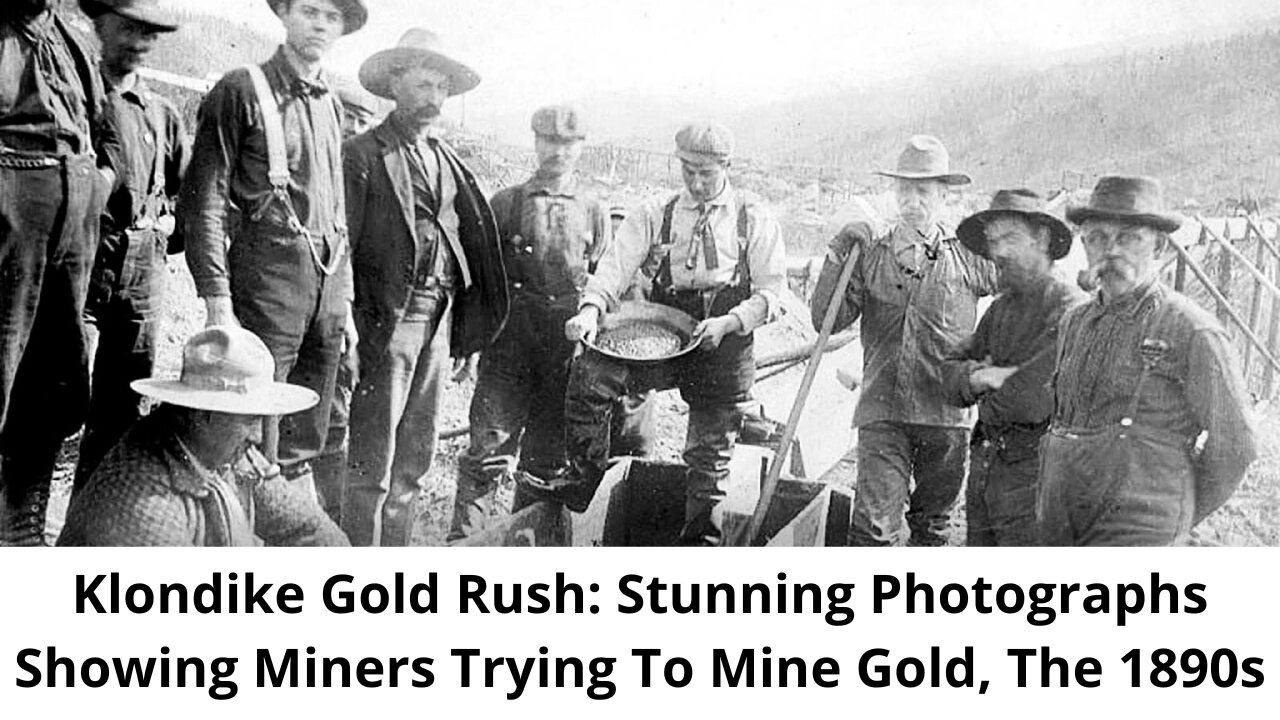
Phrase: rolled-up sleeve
{"type": "Point", "coordinates": [1221, 404]}
{"type": "Point", "coordinates": [622, 258]}
{"type": "Point", "coordinates": [767, 261]}
{"type": "Point", "coordinates": [204, 204]}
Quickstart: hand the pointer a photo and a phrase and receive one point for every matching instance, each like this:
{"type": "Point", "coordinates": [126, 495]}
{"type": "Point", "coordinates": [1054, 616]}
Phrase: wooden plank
{"type": "Point", "coordinates": [1273, 337]}
{"type": "Point", "coordinates": [1261, 277]}
{"type": "Point", "coordinates": [1224, 273]}
{"type": "Point", "coordinates": [824, 522]}
{"type": "Point", "coordinates": [1255, 304]}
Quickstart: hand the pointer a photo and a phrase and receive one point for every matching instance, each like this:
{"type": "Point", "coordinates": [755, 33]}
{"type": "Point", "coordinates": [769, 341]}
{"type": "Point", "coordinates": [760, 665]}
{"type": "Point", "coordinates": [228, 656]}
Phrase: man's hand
{"type": "Point", "coordinates": [218, 311]}
{"type": "Point", "coordinates": [350, 336]}
{"type": "Point", "coordinates": [990, 379]}
{"type": "Point", "coordinates": [711, 331]}
{"type": "Point", "coordinates": [464, 368]}
{"type": "Point", "coordinates": [856, 234]}
{"type": "Point", "coordinates": [583, 326]}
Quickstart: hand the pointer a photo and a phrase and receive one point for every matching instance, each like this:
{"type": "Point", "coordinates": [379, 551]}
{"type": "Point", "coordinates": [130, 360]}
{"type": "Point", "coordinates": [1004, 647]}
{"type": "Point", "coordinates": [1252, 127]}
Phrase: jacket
{"type": "Point", "coordinates": [380, 220]}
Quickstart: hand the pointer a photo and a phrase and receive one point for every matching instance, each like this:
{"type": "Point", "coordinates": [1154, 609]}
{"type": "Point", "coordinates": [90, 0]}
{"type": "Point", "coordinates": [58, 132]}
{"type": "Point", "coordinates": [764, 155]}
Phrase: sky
{"type": "Point", "coordinates": [744, 52]}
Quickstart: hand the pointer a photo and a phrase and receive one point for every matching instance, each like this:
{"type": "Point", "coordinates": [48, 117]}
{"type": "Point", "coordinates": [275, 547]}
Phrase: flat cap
{"type": "Point", "coordinates": [704, 141]}
{"type": "Point", "coordinates": [560, 122]}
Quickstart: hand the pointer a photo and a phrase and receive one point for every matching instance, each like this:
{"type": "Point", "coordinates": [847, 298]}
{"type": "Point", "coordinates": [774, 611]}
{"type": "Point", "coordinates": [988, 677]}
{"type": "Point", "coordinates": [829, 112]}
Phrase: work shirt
{"type": "Point", "coordinates": [916, 306]}
{"type": "Point", "coordinates": [638, 247]}
{"type": "Point", "coordinates": [227, 189]}
{"type": "Point", "coordinates": [559, 237]}
{"type": "Point", "coordinates": [144, 188]}
{"type": "Point", "coordinates": [150, 491]}
{"type": "Point", "coordinates": [1020, 330]}
{"type": "Point", "coordinates": [51, 96]}
{"type": "Point", "coordinates": [1192, 382]}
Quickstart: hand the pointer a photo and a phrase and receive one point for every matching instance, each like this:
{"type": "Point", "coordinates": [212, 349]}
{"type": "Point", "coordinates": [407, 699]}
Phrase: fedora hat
{"type": "Point", "coordinates": [925, 158]}
{"type": "Point", "coordinates": [229, 370]}
{"type": "Point", "coordinates": [416, 45]}
{"type": "Point", "coordinates": [1130, 199]}
{"type": "Point", "coordinates": [147, 12]}
{"type": "Point", "coordinates": [354, 13]}
{"type": "Point", "coordinates": [972, 231]}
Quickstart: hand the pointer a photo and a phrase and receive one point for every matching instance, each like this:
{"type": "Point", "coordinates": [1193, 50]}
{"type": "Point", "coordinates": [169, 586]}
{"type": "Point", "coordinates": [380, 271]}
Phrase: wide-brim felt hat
{"type": "Point", "coordinates": [354, 13]}
{"type": "Point", "coordinates": [972, 231]}
{"type": "Point", "coordinates": [1129, 199]}
{"type": "Point", "coordinates": [228, 369]}
{"type": "Point", "coordinates": [926, 158]}
{"type": "Point", "coordinates": [418, 45]}
{"type": "Point", "coordinates": [147, 12]}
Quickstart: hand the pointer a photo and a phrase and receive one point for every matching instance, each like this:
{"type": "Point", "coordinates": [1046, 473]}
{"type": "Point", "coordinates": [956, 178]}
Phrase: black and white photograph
{"type": "Point", "coordinates": [579, 273]}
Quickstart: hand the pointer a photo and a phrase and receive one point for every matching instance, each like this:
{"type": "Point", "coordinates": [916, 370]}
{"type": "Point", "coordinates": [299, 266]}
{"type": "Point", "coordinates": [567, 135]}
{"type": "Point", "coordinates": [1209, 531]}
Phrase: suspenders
{"type": "Point", "coordinates": [741, 271]}
{"type": "Point", "coordinates": [278, 166]}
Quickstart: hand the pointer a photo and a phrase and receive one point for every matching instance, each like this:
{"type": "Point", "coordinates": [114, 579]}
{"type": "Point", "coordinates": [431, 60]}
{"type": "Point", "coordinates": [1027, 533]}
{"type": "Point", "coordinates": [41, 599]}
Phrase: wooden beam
{"type": "Point", "coordinates": [1255, 305]}
{"type": "Point", "coordinates": [1203, 277]}
{"type": "Point", "coordinates": [1258, 275]}
{"type": "Point", "coordinates": [1224, 272]}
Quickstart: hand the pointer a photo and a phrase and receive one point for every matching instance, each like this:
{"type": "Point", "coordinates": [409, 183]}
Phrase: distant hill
{"type": "Point", "coordinates": [1203, 116]}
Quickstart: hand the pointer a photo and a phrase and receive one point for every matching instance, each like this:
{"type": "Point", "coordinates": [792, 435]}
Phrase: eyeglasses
{"type": "Point", "coordinates": [1127, 239]}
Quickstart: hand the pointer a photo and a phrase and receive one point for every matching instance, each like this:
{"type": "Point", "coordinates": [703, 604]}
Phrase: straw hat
{"type": "Point", "coordinates": [417, 45]}
{"type": "Point", "coordinates": [229, 370]}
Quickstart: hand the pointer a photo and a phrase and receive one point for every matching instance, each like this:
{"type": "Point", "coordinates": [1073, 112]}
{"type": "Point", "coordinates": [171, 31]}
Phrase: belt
{"type": "Point", "coordinates": [28, 162]}
{"type": "Point", "coordinates": [428, 281]}
{"type": "Point", "coordinates": [1126, 426]}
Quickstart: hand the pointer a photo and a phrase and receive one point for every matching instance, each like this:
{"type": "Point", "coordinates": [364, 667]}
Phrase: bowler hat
{"type": "Point", "coordinates": [227, 369]}
{"type": "Point", "coordinates": [417, 45]}
{"type": "Point", "coordinates": [1135, 199]}
{"type": "Point", "coordinates": [926, 158]}
{"type": "Point", "coordinates": [558, 122]}
{"type": "Point", "coordinates": [1023, 203]}
{"type": "Point", "coordinates": [354, 14]}
{"type": "Point", "coordinates": [147, 12]}
{"type": "Point", "coordinates": [702, 142]}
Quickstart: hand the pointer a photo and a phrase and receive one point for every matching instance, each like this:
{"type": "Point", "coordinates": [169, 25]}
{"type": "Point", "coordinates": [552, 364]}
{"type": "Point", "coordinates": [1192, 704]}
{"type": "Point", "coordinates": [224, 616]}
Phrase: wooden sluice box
{"type": "Point", "coordinates": [641, 504]}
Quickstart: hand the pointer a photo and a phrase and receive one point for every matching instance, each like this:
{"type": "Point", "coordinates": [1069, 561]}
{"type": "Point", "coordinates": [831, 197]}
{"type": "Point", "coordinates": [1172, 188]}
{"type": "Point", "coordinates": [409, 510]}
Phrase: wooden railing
{"type": "Point", "coordinates": [1251, 309]}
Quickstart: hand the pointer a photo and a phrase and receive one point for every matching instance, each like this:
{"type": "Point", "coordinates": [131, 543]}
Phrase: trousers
{"type": "Point", "coordinates": [1118, 486]}
{"type": "Point", "coordinates": [716, 384]}
{"type": "Point", "coordinates": [48, 233]}
{"type": "Point", "coordinates": [890, 456]}
{"type": "Point", "coordinates": [1000, 496]}
{"type": "Point", "coordinates": [394, 424]}
{"type": "Point", "coordinates": [122, 315]}
{"type": "Point", "coordinates": [279, 294]}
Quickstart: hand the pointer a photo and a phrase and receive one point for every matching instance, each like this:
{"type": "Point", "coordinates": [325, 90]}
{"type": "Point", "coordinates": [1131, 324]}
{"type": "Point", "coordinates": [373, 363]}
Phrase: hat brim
{"type": "Point", "coordinates": [375, 72]}
{"type": "Point", "coordinates": [972, 231]}
{"type": "Point", "coordinates": [946, 179]}
{"type": "Point", "coordinates": [1164, 222]}
{"type": "Point", "coordinates": [275, 399]}
{"type": "Point", "coordinates": [354, 14]}
{"type": "Point", "coordinates": [153, 17]}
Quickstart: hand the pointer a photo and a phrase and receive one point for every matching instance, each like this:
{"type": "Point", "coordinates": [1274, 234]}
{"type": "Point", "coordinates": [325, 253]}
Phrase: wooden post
{"type": "Point", "coordinates": [1224, 273]}
{"type": "Point", "coordinates": [1255, 305]}
{"type": "Point", "coordinates": [1273, 335]}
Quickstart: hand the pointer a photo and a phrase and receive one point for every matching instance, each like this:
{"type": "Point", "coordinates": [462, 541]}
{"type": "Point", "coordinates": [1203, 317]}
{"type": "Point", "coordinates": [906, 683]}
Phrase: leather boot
{"type": "Point", "coordinates": [22, 517]}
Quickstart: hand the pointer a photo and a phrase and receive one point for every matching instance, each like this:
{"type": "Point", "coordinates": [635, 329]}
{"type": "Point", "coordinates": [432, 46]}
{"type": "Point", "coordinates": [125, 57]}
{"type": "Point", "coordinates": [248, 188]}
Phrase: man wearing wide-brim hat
{"type": "Point", "coordinates": [429, 281]}
{"type": "Point", "coordinates": [1143, 372]}
{"type": "Point", "coordinates": [916, 288]}
{"type": "Point", "coordinates": [190, 472]}
{"type": "Point", "coordinates": [126, 286]}
{"type": "Point", "coordinates": [264, 220]}
{"type": "Point", "coordinates": [1006, 366]}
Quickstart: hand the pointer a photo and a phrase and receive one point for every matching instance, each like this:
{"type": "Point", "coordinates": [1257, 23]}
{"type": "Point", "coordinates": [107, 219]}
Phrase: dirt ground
{"type": "Point", "coordinates": [1251, 517]}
